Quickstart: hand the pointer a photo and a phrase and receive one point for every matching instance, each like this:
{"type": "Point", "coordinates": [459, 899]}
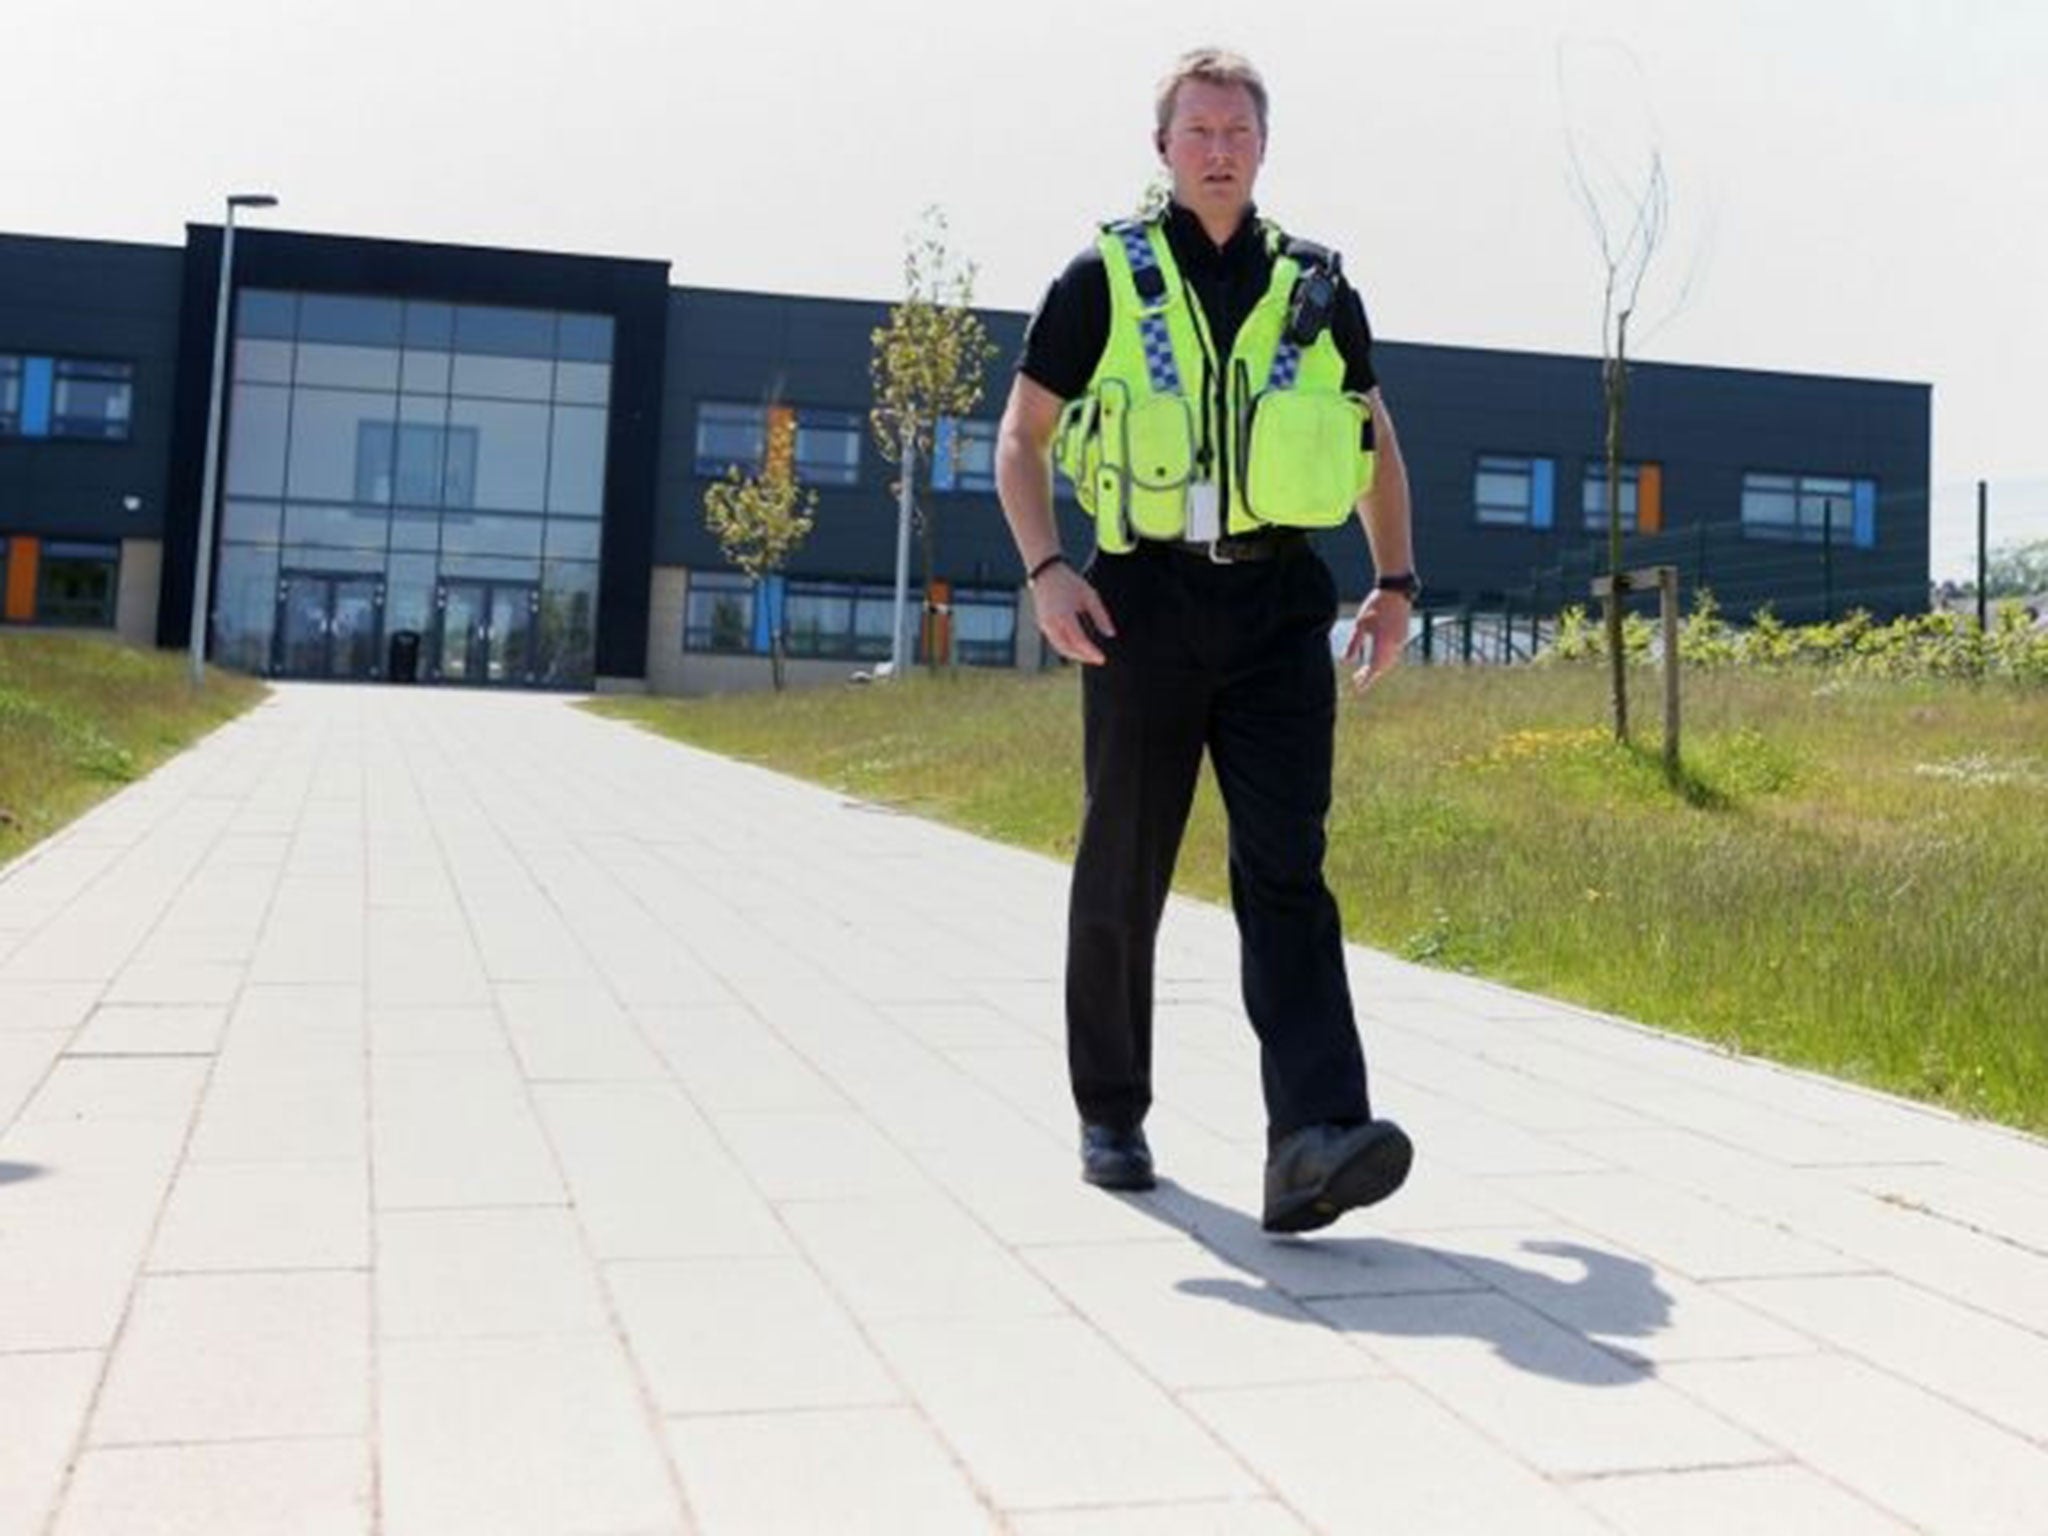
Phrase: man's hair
{"type": "Point", "coordinates": [1216, 66]}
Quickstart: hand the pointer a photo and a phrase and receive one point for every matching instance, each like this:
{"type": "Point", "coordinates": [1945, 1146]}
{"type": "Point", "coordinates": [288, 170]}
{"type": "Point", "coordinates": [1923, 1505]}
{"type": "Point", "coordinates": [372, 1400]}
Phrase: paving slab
{"type": "Point", "coordinates": [428, 1111]}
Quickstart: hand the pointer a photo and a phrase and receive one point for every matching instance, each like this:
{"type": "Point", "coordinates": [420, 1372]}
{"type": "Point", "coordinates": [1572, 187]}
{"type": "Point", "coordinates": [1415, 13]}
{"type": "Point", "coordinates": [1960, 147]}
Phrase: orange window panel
{"type": "Point", "coordinates": [781, 447]}
{"type": "Point", "coordinates": [1650, 498]}
{"type": "Point", "coordinates": [938, 621]}
{"type": "Point", "coordinates": [21, 579]}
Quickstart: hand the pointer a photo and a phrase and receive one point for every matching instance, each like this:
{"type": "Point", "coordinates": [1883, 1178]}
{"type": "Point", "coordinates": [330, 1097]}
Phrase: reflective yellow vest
{"type": "Point", "coordinates": [1270, 425]}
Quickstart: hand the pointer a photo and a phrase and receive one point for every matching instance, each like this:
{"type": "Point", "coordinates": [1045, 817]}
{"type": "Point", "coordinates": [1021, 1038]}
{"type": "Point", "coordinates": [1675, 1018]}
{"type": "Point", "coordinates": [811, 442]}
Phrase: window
{"type": "Point", "coordinates": [819, 621]}
{"type": "Point", "coordinates": [965, 456]}
{"type": "Point", "coordinates": [10, 396]}
{"type": "Point", "coordinates": [1809, 508]}
{"type": "Point", "coordinates": [848, 621]}
{"type": "Point", "coordinates": [827, 442]}
{"type": "Point", "coordinates": [985, 627]}
{"type": "Point", "coordinates": [719, 613]}
{"type": "Point", "coordinates": [1595, 497]}
{"type": "Point", "coordinates": [423, 465]}
{"type": "Point", "coordinates": [66, 397]}
{"type": "Point", "coordinates": [77, 584]}
{"type": "Point", "coordinates": [827, 447]}
{"type": "Point", "coordinates": [729, 435]}
{"type": "Point", "coordinates": [92, 400]}
{"type": "Point", "coordinates": [1514, 492]}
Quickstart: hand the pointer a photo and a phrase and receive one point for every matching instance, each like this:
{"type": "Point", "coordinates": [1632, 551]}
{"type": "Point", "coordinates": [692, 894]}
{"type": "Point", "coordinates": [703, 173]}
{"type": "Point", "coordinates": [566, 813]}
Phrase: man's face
{"type": "Point", "coordinates": [1212, 147]}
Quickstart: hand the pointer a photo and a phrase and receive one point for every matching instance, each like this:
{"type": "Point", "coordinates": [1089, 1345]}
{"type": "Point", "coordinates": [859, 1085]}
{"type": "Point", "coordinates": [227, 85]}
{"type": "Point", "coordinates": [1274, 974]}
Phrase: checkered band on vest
{"type": "Point", "coordinates": [1159, 364]}
{"type": "Point", "coordinates": [1286, 365]}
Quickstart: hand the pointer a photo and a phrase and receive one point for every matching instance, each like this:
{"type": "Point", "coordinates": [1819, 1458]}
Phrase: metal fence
{"type": "Point", "coordinates": [1804, 575]}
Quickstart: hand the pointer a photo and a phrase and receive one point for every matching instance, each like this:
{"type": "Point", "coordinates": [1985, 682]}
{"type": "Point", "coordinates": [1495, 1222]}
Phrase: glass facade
{"type": "Point", "coordinates": [400, 473]}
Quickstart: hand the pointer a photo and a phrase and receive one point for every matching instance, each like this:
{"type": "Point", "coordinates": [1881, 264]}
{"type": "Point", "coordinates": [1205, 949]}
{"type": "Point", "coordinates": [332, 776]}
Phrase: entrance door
{"type": "Point", "coordinates": [487, 631]}
{"type": "Point", "coordinates": [329, 625]}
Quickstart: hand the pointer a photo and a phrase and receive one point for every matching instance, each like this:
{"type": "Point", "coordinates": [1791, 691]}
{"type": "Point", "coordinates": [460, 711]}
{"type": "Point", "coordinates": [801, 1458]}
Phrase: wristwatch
{"type": "Point", "coordinates": [1407, 583]}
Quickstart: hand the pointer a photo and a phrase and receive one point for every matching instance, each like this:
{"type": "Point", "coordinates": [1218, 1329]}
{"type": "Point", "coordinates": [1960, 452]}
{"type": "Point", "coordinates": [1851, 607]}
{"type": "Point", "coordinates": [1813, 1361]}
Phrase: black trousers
{"type": "Point", "coordinates": [1234, 659]}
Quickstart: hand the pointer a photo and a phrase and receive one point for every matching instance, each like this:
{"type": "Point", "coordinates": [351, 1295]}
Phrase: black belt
{"type": "Point", "coordinates": [1240, 548]}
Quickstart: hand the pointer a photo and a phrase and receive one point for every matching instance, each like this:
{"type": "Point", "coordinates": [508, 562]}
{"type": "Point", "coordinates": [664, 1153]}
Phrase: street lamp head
{"type": "Point", "coordinates": [251, 200]}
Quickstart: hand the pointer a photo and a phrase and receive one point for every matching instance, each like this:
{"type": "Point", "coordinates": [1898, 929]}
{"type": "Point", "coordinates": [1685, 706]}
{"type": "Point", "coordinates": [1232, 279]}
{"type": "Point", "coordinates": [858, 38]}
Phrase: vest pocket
{"type": "Point", "coordinates": [1158, 454]}
{"type": "Point", "coordinates": [1077, 447]}
{"type": "Point", "coordinates": [1304, 463]}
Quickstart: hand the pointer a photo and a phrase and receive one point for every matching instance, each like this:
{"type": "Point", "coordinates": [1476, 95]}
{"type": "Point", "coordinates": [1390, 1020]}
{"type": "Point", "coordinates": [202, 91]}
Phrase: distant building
{"type": "Point", "coordinates": [499, 458]}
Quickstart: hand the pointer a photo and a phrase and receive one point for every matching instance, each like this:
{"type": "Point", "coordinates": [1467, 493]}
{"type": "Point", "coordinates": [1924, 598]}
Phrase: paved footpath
{"type": "Point", "coordinates": [432, 1113]}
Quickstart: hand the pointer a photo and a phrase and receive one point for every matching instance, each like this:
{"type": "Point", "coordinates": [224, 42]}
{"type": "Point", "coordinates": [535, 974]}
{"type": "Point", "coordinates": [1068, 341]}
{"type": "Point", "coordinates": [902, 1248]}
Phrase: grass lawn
{"type": "Point", "coordinates": [81, 715]}
{"type": "Point", "coordinates": [1854, 877]}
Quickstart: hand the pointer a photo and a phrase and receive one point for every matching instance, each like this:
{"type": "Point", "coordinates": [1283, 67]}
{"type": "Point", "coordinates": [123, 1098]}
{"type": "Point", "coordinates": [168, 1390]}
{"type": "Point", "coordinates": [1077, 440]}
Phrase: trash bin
{"type": "Point", "coordinates": [405, 656]}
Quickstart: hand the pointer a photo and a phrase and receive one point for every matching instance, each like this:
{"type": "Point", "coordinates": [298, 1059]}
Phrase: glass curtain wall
{"type": "Point", "coordinates": [413, 486]}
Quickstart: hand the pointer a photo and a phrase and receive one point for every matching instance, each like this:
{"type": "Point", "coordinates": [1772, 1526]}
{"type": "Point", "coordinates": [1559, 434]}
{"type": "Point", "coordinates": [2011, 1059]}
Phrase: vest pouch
{"type": "Point", "coordinates": [1077, 447]}
{"type": "Point", "coordinates": [1158, 443]}
{"type": "Point", "coordinates": [1304, 463]}
{"type": "Point", "coordinates": [1093, 427]}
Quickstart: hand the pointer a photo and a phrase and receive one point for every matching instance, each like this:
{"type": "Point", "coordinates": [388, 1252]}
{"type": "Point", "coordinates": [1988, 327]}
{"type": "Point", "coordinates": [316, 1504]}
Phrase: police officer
{"type": "Point", "coordinates": [1206, 382]}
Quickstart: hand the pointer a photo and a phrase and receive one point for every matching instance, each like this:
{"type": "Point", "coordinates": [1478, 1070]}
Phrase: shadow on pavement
{"type": "Point", "coordinates": [1611, 1298]}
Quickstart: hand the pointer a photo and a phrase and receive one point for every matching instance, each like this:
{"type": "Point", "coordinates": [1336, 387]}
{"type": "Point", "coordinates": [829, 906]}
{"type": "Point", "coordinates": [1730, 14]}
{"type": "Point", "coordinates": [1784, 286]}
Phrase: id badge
{"type": "Point", "coordinates": [1205, 511]}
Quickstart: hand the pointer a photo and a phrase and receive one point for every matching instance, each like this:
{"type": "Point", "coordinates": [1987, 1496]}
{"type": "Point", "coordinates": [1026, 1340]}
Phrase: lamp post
{"type": "Point", "coordinates": [900, 654]}
{"type": "Point", "coordinates": [202, 574]}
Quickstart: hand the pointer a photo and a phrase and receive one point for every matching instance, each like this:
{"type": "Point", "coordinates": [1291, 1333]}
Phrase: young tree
{"type": "Point", "coordinates": [1626, 199]}
{"type": "Point", "coordinates": [2017, 570]}
{"type": "Point", "coordinates": [928, 364]}
{"type": "Point", "coordinates": [760, 519]}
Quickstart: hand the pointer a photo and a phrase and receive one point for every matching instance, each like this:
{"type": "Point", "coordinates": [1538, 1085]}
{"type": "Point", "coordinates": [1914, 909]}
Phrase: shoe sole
{"type": "Point", "coordinates": [1132, 1183]}
{"type": "Point", "coordinates": [1380, 1168]}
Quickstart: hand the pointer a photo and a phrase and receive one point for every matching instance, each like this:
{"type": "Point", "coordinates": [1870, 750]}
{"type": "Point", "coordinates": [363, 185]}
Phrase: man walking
{"type": "Point", "coordinates": [1207, 384]}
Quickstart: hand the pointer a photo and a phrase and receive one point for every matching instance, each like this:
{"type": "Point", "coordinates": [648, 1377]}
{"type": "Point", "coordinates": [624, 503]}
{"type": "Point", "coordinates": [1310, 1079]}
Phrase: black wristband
{"type": "Point", "coordinates": [1057, 557]}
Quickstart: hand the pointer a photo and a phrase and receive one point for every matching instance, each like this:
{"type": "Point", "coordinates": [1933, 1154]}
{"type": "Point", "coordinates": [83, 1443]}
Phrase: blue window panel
{"type": "Point", "coordinates": [1866, 514]}
{"type": "Point", "coordinates": [769, 600]}
{"type": "Point", "coordinates": [942, 455]}
{"type": "Point", "coordinates": [38, 384]}
{"type": "Point", "coordinates": [1543, 512]}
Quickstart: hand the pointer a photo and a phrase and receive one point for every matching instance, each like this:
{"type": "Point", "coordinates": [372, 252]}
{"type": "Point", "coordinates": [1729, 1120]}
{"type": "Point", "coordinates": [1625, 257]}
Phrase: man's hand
{"type": "Point", "coordinates": [1064, 599]}
{"type": "Point", "coordinates": [1377, 638]}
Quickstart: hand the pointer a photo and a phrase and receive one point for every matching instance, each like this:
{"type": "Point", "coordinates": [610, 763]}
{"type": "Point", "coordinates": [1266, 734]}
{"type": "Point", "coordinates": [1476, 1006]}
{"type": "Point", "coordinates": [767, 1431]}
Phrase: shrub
{"type": "Point", "coordinates": [1929, 645]}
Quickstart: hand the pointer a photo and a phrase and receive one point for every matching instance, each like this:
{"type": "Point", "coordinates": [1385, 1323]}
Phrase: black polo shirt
{"type": "Point", "coordinates": [1067, 336]}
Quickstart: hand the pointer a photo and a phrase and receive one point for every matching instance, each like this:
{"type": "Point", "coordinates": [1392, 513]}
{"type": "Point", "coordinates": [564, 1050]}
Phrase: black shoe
{"type": "Point", "coordinates": [1112, 1159]}
{"type": "Point", "coordinates": [1319, 1172]}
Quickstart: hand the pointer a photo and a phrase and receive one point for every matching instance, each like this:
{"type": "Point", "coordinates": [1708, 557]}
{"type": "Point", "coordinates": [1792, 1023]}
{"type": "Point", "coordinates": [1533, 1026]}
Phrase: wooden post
{"type": "Point", "coordinates": [1665, 579]}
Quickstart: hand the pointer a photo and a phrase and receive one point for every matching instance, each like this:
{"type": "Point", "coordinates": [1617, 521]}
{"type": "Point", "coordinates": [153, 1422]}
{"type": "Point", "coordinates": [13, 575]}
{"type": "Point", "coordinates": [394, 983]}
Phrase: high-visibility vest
{"type": "Point", "coordinates": [1270, 425]}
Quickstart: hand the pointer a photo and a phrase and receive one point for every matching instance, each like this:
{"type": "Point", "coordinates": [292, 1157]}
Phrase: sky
{"type": "Point", "coordinates": [1856, 186]}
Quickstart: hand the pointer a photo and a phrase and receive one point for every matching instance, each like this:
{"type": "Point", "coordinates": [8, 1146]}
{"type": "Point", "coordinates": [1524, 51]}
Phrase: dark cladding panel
{"type": "Point", "coordinates": [742, 348]}
{"type": "Point", "coordinates": [91, 300]}
{"type": "Point", "coordinates": [1705, 427]}
{"type": "Point", "coordinates": [640, 346]}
